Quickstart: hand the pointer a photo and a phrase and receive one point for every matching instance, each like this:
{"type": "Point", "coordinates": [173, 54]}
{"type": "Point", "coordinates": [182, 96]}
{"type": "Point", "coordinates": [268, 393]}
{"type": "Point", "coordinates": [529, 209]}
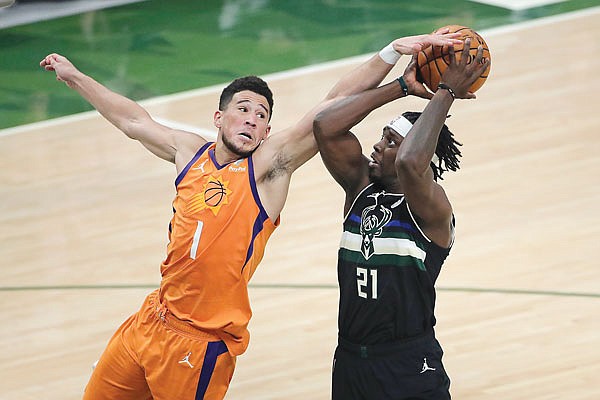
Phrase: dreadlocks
{"type": "Point", "coordinates": [446, 149]}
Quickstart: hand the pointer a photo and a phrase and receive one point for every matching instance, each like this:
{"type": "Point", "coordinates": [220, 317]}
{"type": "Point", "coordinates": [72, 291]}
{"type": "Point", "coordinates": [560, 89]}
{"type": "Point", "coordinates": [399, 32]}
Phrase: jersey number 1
{"type": "Point", "coordinates": [196, 240]}
{"type": "Point", "coordinates": [362, 282]}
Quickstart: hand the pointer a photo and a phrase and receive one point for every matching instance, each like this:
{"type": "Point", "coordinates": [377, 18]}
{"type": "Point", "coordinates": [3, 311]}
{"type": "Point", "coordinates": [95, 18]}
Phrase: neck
{"type": "Point", "coordinates": [224, 155]}
{"type": "Point", "coordinates": [391, 186]}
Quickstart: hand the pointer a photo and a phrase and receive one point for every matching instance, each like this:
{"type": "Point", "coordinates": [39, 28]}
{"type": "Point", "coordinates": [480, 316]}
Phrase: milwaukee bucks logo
{"type": "Point", "coordinates": [373, 219]}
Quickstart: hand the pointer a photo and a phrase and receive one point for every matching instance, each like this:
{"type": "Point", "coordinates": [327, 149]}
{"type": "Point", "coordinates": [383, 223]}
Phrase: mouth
{"type": "Point", "coordinates": [373, 162]}
{"type": "Point", "coordinates": [246, 136]}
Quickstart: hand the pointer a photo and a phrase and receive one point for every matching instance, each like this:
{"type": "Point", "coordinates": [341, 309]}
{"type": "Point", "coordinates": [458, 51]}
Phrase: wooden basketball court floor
{"type": "Point", "coordinates": [85, 214]}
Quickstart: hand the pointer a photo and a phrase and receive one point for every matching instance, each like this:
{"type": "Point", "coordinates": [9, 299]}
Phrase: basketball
{"type": "Point", "coordinates": [433, 61]}
{"type": "Point", "coordinates": [214, 193]}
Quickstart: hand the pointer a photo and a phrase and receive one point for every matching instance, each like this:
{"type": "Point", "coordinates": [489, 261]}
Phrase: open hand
{"type": "Point", "coordinates": [414, 44]}
{"type": "Point", "coordinates": [415, 87]}
{"type": "Point", "coordinates": [460, 75]}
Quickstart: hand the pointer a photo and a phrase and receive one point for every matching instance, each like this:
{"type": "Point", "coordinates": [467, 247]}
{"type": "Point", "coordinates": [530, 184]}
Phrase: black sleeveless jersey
{"type": "Point", "coordinates": [387, 270]}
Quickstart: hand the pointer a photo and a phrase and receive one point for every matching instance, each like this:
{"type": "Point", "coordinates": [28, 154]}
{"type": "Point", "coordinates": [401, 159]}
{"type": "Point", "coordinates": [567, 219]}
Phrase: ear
{"type": "Point", "coordinates": [217, 119]}
{"type": "Point", "coordinates": [267, 131]}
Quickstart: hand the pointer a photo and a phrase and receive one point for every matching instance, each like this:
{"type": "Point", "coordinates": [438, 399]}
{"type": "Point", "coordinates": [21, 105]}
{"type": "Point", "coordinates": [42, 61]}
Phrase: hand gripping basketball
{"type": "Point", "coordinates": [433, 60]}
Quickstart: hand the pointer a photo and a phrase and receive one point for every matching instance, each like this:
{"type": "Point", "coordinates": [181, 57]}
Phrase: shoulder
{"type": "Point", "coordinates": [187, 144]}
{"type": "Point", "coordinates": [272, 157]}
{"type": "Point", "coordinates": [357, 195]}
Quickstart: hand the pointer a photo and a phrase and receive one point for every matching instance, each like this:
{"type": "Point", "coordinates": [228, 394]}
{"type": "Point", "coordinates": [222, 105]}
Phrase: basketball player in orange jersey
{"type": "Point", "coordinates": [183, 342]}
{"type": "Point", "coordinates": [397, 231]}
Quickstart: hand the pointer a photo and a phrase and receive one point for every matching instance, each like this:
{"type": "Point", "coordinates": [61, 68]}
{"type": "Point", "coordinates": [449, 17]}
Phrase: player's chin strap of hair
{"type": "Point", "coordinates": [401, 126]}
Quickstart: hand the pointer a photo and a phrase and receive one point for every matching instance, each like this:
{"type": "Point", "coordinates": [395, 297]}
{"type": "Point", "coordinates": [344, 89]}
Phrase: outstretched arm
{"type": "Point", "coordinates": [426, 198]}
{"type": "Point", "coordinates": [125, 114]}
{"type": "Point", "coordinates": [371, 73]}
{"type": "Point", "coordinates": [296, 144]}
{"type": "Point", "coordinates": [282, 153]}
{"type": "Point", "coordinates": [340, 149]}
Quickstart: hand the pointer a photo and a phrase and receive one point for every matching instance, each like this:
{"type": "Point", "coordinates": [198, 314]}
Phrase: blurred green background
{"type": "Point", "coordinates": [154, 47]}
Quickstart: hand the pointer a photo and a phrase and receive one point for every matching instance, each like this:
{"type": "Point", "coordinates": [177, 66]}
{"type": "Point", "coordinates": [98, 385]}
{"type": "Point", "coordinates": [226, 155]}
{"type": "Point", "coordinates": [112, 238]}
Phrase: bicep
{"type": "Point", "coordinates": [161, 140]}
{"type": "Point", "coordinates": [296, 144]}
{"type": "Point", "coordinates": [343, 158]}
{"type": "Point", "coordinates": [429, 204]}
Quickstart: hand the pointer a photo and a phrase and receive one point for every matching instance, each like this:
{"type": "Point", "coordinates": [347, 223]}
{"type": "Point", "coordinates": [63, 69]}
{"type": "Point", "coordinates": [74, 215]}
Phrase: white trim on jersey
{"type": "Point", "coordinates": [383, 246]}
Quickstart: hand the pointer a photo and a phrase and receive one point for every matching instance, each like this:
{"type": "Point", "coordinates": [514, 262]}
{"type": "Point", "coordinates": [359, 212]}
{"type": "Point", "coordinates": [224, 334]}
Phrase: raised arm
{"type": "Point", "coordinates": [283, 152]}
{"type": "Point", "coordinates": [371, 73]}
{"type": "Point", "coordinates": [125, 114]}
{"type": "Point", "coordinates": [297, 145]}
{"type": "Point", "coordinates": [426, 198]}
{"type": "Point", "coordinates": [340, 149]}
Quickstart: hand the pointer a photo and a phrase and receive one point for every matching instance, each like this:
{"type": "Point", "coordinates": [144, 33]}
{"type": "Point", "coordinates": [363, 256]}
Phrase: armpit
{"type": "Point", "coordinates": [280, 166]}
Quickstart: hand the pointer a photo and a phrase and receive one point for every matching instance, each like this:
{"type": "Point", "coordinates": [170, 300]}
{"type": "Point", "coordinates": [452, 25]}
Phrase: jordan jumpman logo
{"type": "Point", "coordinates": [426, 367]}
{"type": "Point", "coordinates": [186, 360]}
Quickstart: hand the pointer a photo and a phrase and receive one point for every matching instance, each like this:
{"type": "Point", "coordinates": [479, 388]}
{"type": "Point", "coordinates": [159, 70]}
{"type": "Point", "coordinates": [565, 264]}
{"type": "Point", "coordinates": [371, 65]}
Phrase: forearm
{"type": "Point", "coordinates": [367, 76]}
{"type": "Point", "coordinates": [118, 110]}
{"type": "Point", "coordinates": [371, 73]}
{"type": "Point", "coordinates": [418, 147]}
{"type": "Point", "coordinates": [346, 113]}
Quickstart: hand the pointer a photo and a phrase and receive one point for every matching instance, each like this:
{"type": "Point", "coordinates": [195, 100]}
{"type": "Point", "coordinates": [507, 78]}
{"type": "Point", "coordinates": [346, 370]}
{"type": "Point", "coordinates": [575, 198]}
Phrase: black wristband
{"type": "Point", "coordinates": [403, 85]}
{"type": "Point", "coordinates": [448, 88]}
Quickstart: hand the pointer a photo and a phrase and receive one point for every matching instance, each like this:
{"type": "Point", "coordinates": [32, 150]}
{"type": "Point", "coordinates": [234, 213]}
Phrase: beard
{"type": "Point", "coordinates": [379, 177]}
{"type": "Point", "coordinates": [375, 175]}
{"type": "Point", "coordinates": [376, 180]}
{"type": "Point", "coordinates": [237, 149]}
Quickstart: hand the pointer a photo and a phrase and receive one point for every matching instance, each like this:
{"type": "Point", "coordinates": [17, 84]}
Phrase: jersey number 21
{"type": "Point", "coordinates": [363, 276]}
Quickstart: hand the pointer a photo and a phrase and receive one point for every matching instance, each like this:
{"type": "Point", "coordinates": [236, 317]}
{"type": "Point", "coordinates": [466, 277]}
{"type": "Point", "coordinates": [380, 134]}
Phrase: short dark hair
{"type": "Point", "coordinates": [446, 150]}
{"type": "Point", "coordinates": [252, 83]}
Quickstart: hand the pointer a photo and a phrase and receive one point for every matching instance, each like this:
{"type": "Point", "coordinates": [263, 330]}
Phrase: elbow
{"type": "Point", "coordinates": [407, 164]}
{"type": "Point", "coordinates": [318, 124]}
{"type": "Point", "coordinates": [132, 126]}
{"type": "Point", "coordinates": [128, 128]}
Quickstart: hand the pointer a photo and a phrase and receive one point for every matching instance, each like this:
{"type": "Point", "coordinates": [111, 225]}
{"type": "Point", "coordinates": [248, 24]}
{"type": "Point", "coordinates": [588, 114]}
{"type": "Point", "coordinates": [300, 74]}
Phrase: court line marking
{"type": "Point", "coordinates": [518, 5]}
{"type": "Point", "coordinates": [304, 286]}
{"type": "Point", "coordinates": [205, 133]}
{"type": "Point", "coordinates": [290, 73]}
{"type": "Point", "coordinates": [21, 14]}
{"type": "Point", "coordinates": [284, 75]}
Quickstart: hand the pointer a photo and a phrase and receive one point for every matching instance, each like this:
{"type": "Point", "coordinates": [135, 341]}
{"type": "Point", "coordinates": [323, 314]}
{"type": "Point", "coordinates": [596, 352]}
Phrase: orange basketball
{"type": "Point", "coordinates": [433, 61]}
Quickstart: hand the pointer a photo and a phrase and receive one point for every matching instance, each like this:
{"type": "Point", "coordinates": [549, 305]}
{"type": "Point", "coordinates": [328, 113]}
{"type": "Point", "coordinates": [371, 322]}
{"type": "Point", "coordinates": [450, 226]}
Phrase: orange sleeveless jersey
{"type": "Point", "coordinates": [217, 237]}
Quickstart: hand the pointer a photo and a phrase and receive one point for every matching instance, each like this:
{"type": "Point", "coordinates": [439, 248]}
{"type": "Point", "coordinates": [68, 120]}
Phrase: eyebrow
{"type": "Point", "coordinates": [248, 101]}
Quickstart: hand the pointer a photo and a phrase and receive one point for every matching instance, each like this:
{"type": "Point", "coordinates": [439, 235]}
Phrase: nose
{"type": "Point", "coordinates": [377, 147]}
{"type": "Point", "coordinates": [251, 120]}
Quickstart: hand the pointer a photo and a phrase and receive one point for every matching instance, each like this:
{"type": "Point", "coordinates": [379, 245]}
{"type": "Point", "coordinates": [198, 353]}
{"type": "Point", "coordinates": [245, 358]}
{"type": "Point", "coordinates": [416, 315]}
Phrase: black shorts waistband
{"type": "Point", "coordinates": [383, 349]}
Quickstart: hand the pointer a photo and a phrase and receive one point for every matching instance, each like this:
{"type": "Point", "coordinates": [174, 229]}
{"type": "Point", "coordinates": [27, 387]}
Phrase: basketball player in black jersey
{"type": "Point", "coordinates": [398, 230]}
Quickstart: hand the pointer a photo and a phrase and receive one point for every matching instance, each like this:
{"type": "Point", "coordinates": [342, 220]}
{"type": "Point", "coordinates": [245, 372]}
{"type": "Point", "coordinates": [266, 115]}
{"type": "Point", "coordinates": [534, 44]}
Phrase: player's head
{"type": "Point", "coordinates": [251, 83]}
{"type": "Point", "coordinates": [382, 167]}
{"type": "Point", "coordinates": [244, 113]}
{"type": "Point", "coordinates": [446, 157]}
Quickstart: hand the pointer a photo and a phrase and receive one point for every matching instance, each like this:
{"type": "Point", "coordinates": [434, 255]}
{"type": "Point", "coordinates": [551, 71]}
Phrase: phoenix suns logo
{"type": "Point", "coordinates": [214, 195]}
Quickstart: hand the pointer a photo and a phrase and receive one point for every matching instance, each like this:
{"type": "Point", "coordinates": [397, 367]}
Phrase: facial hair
{"type": "Point", "coordinates": [232, 148]}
